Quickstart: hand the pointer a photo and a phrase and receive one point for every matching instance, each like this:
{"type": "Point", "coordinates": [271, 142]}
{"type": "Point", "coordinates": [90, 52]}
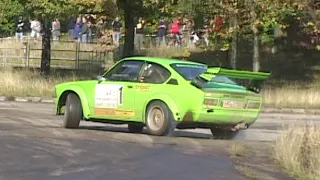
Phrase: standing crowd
{"type": "Point", "coordinates": [178, 32]}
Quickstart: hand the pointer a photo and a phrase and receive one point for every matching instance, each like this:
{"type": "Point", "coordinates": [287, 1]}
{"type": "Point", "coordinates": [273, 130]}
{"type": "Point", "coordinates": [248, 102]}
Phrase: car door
{"type": "Point", "coordinates": [115, 96]}
{"type": "Point", "coordinates": [151, 82]}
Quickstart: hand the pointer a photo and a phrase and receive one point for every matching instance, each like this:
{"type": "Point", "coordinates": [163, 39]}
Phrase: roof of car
{"type": "Point", "coordinates": [161, 60]}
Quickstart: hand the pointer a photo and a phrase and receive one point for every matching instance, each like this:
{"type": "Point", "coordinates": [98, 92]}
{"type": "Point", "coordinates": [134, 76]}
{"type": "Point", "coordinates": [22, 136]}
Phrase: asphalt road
{"type": "Point", "coordinates": [35, 146]}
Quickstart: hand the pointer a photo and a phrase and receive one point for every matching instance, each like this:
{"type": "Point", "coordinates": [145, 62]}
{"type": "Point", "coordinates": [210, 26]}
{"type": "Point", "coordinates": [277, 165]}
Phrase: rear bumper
{"type": "Point", "coordinates": [222, 116]}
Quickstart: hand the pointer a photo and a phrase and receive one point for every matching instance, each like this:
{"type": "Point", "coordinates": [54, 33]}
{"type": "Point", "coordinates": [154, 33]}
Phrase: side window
{"type": "Point", "coordinates": [125, 71]}
{"type": "Point", "coordinates": [154, 73]}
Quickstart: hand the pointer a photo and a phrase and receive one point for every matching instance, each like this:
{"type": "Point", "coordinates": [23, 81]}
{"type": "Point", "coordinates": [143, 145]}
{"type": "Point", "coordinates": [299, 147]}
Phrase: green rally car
{"type": "Point", "coordinates": [163, 94]}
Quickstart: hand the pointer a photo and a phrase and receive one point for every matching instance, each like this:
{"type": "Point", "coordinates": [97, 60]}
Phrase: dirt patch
{"type": "Point", "coordinates": [255, 161]}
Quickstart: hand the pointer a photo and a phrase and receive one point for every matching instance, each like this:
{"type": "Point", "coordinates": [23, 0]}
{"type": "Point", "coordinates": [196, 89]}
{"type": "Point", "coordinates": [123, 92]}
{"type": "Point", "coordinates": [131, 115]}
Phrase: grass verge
{"type": "Point", "coordinates": [31, 84]}
{"type": "Point", "coordinates": [298, 151]}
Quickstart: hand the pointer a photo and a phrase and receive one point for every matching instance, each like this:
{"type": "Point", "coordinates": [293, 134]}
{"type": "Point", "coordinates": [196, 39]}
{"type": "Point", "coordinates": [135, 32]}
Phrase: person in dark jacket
{"type": "Point", "coordinates": [116, 24]}
{"type": "Point", "coordinates": [162, 31]}
{"type": "Point", "coordinates": [19, 28]}
{"type": "Point", "coordinates": [77, 30]}
{"type": "Point", "coordinates": [139, 33]}
{"type": "Point", "coordinates": [84, 30]}
{"type": "Point", "coordinates": [71, 25]}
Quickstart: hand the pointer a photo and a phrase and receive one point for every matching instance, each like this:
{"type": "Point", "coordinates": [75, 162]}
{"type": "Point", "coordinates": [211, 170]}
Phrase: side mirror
{"type": "Point", "coordinates": [100, 78]}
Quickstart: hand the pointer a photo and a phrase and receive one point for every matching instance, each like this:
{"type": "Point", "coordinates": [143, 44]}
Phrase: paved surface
{"type": "Point", "coordinates": [35, 146]}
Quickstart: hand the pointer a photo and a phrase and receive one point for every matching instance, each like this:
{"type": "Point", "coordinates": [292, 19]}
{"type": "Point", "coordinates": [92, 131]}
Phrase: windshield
{"type": "Point", "coordinates": [189, 71]}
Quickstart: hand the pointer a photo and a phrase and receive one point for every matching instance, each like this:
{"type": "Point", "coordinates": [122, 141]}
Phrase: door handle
{"type": "Point", "coordinates": [130, 86]}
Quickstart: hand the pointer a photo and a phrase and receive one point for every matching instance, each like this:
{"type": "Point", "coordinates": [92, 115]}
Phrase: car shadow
{"type": "Point", "coordinates": [177, 133]}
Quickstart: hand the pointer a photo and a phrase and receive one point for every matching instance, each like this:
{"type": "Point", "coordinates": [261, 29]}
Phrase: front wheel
{"type": "Point", "coordinates": [159, 120]}
{"type": "Point", "coordinates": [219, 133]}
{"type": "Point", "coordinates": [73, 111]}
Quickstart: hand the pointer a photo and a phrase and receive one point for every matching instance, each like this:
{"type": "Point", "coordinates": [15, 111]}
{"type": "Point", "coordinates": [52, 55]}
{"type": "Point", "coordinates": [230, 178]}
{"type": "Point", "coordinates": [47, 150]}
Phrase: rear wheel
{"type": "Point", "coordinates": [159, 120]}
{"type": "Point", "coordinates": [135, 128]}
{"type": "Point", "coordinates": [73, 112]}
{"type": "Point", "coordinates": [219, 133]}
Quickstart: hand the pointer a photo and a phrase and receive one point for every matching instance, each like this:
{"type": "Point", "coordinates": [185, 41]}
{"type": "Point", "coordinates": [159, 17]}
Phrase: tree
{"type": "Point", "coordinates": [48, 10]}
{"type": "Point", "coordinates": [9, 11]}
{"type": "Point", "coordinates": [140, 8]}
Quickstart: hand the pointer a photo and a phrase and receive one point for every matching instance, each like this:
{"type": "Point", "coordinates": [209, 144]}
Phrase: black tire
{"type": "Point", "coordinates": [73, 112]}
{"type": "Point", "coordinates": [135, 128]}
{"type": "Point", "coordinates": [219, 133]}
{"type": "Point", "coordinates": [166, 124]}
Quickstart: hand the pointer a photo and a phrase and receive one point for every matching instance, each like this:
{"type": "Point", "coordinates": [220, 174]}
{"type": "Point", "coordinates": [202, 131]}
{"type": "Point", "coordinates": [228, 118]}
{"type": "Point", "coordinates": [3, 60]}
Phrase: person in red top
{"type": "Point", "coordinates": [175, 29]}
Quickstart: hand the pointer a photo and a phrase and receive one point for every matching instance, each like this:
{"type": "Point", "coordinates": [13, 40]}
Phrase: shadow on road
{"type": "Point", "coordinates": [125, 130]}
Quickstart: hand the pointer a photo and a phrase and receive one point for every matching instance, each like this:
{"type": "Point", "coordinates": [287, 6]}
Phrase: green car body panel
{"type": "Point", "coordinates": [213, 102]}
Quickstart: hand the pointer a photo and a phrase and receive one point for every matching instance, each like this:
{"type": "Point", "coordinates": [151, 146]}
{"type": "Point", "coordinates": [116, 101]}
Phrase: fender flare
{"type": "Point", "coordinates": [81, 94]}
{"type": "Point", "coordinates": [168, 100]}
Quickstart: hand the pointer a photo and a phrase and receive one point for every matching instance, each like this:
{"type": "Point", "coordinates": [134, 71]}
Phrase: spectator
{"type": "Point", "coordinates": [139, 32]}
{"type": "Point", "coordinates": [20, 28]}
{"type": "Point", "coordinates": [77, 29]}
{"type": "Point", "coordinates": [35, 28]}
{"type": "Point", "coordinates": [84, 31]}
{"type": "Point", "coordinates": [90, 28]}
{"type": "Point", "coordinates": [100, 27]}
{"type": "Point", "coordinates": [175, 30]}
{"type": "Point", "coordinates": [162, 28]}
{"type": "Point", "coordinates": [56, 29]}
{"type": "Point", "coordinates": [116, 24]}
{"type": "Point", "coordinates": [71, 25]}
{"type": "Point", "coordinates": [187, 32]}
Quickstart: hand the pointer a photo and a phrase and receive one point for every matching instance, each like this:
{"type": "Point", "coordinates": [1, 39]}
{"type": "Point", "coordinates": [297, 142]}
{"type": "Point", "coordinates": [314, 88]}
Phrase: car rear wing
{"type": "Point", "coordinates": [254, 79]}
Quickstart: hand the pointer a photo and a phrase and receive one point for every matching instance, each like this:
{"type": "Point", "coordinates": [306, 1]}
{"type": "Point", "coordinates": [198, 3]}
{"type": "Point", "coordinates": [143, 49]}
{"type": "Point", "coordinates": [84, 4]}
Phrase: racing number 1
{"type": "Point", "coordinates": [120, 95]}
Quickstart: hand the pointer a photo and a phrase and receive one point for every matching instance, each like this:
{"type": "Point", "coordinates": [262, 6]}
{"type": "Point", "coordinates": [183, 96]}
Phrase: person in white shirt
{"type": "Point", "coordinates": [35, 28]}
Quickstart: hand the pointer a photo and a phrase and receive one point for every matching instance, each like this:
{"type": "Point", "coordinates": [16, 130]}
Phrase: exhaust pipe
{"type": "Point", "coordinates": [240, 126]}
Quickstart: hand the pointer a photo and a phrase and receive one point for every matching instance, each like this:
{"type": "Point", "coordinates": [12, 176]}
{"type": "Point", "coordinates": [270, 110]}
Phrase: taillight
{"type": "Point", "coordinates": [253, 105]}
{"type": "Point", "coordinates": [211, 102]}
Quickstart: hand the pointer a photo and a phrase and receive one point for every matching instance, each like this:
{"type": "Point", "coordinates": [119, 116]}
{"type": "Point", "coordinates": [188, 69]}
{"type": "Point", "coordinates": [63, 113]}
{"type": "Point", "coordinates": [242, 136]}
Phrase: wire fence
{"type": "Point", "coordinates": [64, 54]}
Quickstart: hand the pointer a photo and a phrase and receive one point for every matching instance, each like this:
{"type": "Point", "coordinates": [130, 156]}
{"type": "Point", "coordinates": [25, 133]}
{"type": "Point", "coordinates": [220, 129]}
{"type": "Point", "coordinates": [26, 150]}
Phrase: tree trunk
{"type": "Point", "coordinates": [234, 44]}
{"type": "Point", "coordinates": [256, 39]}
{"type": "Point", "coordinates": [256, 54]}
{"type": "Point", "coordinates": [128, 49]}
{"type": "Point", "coordinates": [46, 48]}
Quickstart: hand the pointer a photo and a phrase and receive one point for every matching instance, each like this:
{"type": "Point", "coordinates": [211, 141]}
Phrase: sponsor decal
{"type": "Point", "coordinates": [142, 88]}
{"type": "Point", "coordinates": [108, 95]}
{"type": "Point", "coordinates": [113, 112]}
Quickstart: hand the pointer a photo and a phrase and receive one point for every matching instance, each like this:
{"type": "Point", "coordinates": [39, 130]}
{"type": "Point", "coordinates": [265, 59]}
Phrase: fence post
{"type": "Point", "coordinates": [77, 55]}
{"type": "Point", "coordinates": [25, 53]}
{"type": "Point", "coordinates": [28, 54]}
{"type": "Point", "coordinates": [5, 58]}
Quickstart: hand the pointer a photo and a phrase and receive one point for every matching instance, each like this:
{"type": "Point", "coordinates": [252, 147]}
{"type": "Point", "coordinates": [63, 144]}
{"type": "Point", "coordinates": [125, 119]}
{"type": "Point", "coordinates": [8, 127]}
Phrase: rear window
{"type": "Point", "coordinates": [189, 71]}
{"type": "Point", "coordinates": [223, 79]}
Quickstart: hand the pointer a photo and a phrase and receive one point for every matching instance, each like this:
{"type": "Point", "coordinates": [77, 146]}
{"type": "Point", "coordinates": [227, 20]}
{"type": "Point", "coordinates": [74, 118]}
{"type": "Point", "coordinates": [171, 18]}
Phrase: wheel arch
{"type": "Point", "coordinates": [168, 101]}
{"type": "Point", "coordinates": [81, 95]}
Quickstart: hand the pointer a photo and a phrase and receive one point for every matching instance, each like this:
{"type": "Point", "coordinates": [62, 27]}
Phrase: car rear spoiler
{"type": "Point", "coordinates": [256, 79]}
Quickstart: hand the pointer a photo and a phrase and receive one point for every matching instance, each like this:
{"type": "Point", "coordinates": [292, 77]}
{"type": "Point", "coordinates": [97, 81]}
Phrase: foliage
{"type": "Point", "coordinates": [9, 12]}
